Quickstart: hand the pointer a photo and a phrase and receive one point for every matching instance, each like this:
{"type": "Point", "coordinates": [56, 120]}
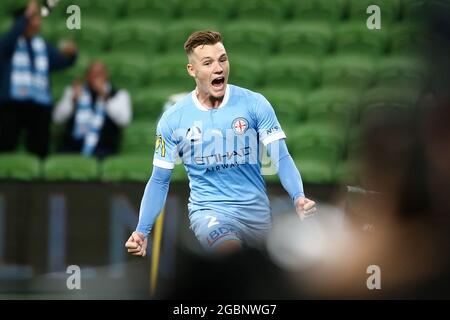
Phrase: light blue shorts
{"type": "Point", "coordinates": [213, 228]}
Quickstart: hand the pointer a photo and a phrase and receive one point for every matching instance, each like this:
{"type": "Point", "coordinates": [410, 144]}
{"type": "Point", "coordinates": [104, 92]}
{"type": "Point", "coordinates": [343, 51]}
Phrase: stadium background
{"type": "Point", "coordinates": [316, 61]}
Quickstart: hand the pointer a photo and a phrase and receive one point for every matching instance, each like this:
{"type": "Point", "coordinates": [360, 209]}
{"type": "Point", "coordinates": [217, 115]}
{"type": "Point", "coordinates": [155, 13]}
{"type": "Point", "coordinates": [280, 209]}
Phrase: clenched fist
{"type": "Point", "coordinates": [137, 244]}
{"type": "Point", "coordinates": [305, 207]}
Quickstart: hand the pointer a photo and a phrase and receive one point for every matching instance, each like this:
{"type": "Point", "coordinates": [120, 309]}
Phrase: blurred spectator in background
{"type": "Point", "coordinates": [26, 61]}
{"type": "Point", "coordinates": [95, 113]}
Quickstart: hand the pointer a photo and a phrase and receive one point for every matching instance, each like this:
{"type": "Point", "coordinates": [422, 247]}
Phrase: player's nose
{"type": "Point", "coordinates": [218, 69]}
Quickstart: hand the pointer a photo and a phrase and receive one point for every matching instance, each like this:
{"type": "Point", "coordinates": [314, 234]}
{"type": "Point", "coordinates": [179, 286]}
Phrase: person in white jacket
{"type": "Point", "coordinates": [95, 112]}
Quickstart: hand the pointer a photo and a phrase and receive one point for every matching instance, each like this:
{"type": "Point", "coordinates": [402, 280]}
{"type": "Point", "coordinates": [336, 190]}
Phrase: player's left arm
{"type": "Point", "coordinates": [155, 195]}
{"type": "Point", "coordinates": [290, 177]}
{"type": "Point", "coordinates": [272, 136]}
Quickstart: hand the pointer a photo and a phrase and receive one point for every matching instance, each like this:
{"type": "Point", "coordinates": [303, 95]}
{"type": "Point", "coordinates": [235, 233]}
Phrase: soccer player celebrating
{"type": "Point", "coordinates": [216, 131]}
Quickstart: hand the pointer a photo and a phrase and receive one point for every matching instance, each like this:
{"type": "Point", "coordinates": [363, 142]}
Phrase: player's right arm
{"type": "Point", "coordinates": [152, 202]}
{"type": "Point", "coordinates": [156, 190]}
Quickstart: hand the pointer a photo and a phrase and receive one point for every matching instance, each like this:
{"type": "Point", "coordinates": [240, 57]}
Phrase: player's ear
{"type": "Point", "coordinates": [191, 70]}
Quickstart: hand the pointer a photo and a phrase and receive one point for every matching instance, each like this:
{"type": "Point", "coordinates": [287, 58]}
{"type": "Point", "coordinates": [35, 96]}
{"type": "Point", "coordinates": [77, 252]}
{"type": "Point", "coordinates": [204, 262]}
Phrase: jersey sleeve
{"type": "Point", "coordinates": [268, 127]}
{"type": "Point", "coordinates": [165, 146]}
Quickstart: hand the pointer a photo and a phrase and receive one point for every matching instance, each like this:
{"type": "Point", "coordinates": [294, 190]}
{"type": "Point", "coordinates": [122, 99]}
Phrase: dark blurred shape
{"type": "Point", "coordinates": [19, 12]}
{"type": "Point", "coordinates": [246, 274]}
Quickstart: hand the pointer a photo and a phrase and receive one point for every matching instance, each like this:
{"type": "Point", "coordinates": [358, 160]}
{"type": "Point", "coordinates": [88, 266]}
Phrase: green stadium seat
{"type": "Point", "coordinates": [288, 104]}
{"type": "Point", "coordinates": [58, 90]}
{"type": "Point", "coordinates": [48, 30]}
{"type": "Point", "coordinates": [136, 36]}
{"type": "Point", "coordinates": [407, 38]}
{"type": "Point", "coordinates": [54, 29]}
{"type": "Point", "coordinates": [65, 78]}
{"type": "Point", "coordinates": [390, 10]}
{"type": "Point", "coordinates": [163, 10]}
{"type": "Point", "coordinates": [127, 168]}
{"type": "Point", "coordinates": [261, 9]}
{"type": "Point", "coordinates": [355, 143]}
{"type": "Point", "coordinates": [305, 38]}
{"type": "Point", "coordinates": [178, 31]}
{"type": "Point", "coordinates": [401, 71]}
{"type": "Point", "coordinates": [245, 72]}
{"type": "Point", "coordinates": [355, 38]}
{"type": "Point", "coordinates": [107, 10]}
{"type": "Point", "coordinates": [315, 172]}
{"type": "Point", "coordinates": [179, 173]}
{"type": "Point", "coordinates": [9, 6]}
{"type": "Point", "coordinates": [255, 38]}
{"type": "Point", "coordinates": [4, 16]}
{"type": "Point", "coordinates": [413, 10]}
{"type": "Point", "coordinates": [324, 10]}
{"type": "Point", "coordinates": [318, 142]}
{"type": "Point", "coordinates": [290, 128]}
{"type": "Point", "coordinates": [333, 105]}
{"type": "Point", "coordinates": [56, 133]}
{"type": "Point", "coordinates": [203, 9]}
{"type": "Point", "coordinates": [148, 102]}
{"type": "Point", "coordinates": [349, 70]}
{"type": "Point", "coordinates": [403, 97]}
{"type": "Point", "coordinates": [5, 24]}
{"type": "Point", "coordinates": [84, 59]}
{"type": "Point", "coordinates": [128, 70]}
{"type": "Point", "coordinates": [59, 84]}
{"type": "Point", "coordinates": [294, 72]}
{"type": "Point", "coordinates": [94, 34]}
{"type": "Point", "coordinates": [139, 138]}
{"type": "Point", "coordinates": [348, 172]}
{"type": "Point", "coordinates": [170, 71]}
{"type": "Point", "coordinates": [70, 167]}
{"type": "Point", "coordinates": [19, 166]}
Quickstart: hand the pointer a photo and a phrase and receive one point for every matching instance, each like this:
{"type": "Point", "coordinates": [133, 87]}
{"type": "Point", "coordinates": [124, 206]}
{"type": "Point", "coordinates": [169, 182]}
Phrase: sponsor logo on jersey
{"type": "Point", "coordinates": [221, 232]}
{"type": "Point", "coordinates": [222, 158]}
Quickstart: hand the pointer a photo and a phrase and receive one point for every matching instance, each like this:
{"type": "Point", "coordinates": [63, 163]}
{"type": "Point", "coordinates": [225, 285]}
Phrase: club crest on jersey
{"type": "Point", "coordinates": [160, 145]}
{"type": "Point", "coordinates": [239, 125]}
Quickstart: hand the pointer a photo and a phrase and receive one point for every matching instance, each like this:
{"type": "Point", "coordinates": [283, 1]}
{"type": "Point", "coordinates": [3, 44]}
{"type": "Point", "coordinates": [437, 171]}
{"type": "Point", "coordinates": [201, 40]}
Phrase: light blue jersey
{"type": "Point", "coordinates": [221, 151]}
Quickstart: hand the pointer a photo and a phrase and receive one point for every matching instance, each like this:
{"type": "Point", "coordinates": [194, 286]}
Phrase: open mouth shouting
{"type": "Point", "coordinates": [218, 83]}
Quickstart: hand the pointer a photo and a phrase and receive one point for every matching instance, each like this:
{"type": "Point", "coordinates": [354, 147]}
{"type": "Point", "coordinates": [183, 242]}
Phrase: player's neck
{"type": "Point", "coordinates": [209, 101]}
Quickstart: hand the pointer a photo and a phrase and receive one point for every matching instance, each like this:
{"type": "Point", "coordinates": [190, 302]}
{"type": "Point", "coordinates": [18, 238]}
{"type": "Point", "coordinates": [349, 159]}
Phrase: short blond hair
{"type": "Point", "coordinates": [200, 38]}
